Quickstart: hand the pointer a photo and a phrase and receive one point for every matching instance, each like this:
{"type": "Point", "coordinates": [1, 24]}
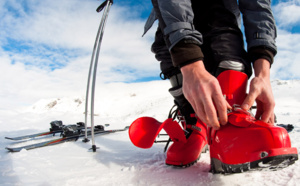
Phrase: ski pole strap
{"type": "Point", "coordinates": [100, 8]}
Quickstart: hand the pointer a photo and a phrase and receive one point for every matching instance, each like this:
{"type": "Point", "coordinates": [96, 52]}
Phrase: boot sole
{"type": "Point", "coordinates": [204, 150]}
{"type": "Point", "coordinates": [270, 163]}
{"type": "Point", "coordinates": [186, 165]}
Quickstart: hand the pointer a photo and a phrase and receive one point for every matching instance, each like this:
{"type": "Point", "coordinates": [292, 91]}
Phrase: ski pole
{"type": "Point", "coordinates": [93, 68]}
{"type": "Point", "coordinates": [88, 84]}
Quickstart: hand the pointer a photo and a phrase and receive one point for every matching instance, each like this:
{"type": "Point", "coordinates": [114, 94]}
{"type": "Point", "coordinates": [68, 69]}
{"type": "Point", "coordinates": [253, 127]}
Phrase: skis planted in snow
{"type": "Point", "coordinates": [69, 134]}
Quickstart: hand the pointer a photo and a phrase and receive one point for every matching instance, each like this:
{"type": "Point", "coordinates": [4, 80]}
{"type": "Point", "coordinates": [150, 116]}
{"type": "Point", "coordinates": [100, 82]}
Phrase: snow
{"type": "Point", "coordinates": [118, 162]}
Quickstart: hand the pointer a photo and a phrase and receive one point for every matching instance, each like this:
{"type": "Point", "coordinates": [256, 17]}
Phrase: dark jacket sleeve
{"type": "Point", "coordinates": [260, 29]}
{"type": "Point", "coordinates": [176, 22]}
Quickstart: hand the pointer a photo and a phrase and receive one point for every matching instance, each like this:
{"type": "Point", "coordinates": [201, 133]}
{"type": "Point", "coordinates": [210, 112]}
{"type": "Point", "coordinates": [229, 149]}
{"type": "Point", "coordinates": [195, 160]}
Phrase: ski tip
{"type": "Point", "coordinates": [18, 138]}
{"type": "Point", "coordinates": [11, 149]}
{"type": "Point", "coordinates": [15, 138]}
{"type": "Point", "coordinates": [126, 128]}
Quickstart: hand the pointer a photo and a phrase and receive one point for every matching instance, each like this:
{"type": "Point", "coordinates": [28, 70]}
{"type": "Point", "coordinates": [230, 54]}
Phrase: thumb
{"type": "Point", "coordinates": [249, 101]}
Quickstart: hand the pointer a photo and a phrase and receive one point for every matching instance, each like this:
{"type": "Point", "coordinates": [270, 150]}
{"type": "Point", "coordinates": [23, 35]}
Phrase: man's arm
{"type": "Point", "coordinates": [260, 27]}
{"type": "Point", "coordinates": [260, 31]}
{"type": "Point", "coordinates": [200, 88]}
{"type": "Point", "coordinates": [176, 23]}
{"type": "Point", "coordinates": [261, 92]}
{"type": "Point", "coordinates": [204, 93]}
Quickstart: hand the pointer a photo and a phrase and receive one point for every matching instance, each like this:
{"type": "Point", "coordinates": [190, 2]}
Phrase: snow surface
{"type": "Point", "coordinates": [118, 162]}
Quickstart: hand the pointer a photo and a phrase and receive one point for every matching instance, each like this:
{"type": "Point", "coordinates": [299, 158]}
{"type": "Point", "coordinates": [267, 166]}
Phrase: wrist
{"type": "Point", "coordinates": [259, 52]}
{"type": "Point", "coordinates": [195, 66]}
{"type": "Point", "coordinates": [186, 52]}
{"type": "Point", "coordinates": [262, 68]}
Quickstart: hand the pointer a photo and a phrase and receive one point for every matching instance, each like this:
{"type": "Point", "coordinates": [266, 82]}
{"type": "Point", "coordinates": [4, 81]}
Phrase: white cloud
{"type": "Point", "coordinates": [72, 25]}
{"type": "Point", "coordinates": [287, 14]}
{"type": "Point", "coordinates": [67, 24]}
{"type": "Point", "coordinates": [63, 33]}
{"type": "Point", "coordinates": [286, 65]}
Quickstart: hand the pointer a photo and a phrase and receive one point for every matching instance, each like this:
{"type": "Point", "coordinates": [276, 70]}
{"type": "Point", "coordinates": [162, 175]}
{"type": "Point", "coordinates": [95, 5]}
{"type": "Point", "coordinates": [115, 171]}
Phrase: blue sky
{"type": "Point", "coordinates": [49, 53]}
{"type": "Point", "coordinates": [47, 45]}
{"type": "Point", "coordinates": [52, 56]}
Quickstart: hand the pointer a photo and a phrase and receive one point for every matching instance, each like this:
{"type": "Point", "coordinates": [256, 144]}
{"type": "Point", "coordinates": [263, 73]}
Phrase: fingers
{"type": "Point", "coordinates": [258, 114]}
{"type": "Point", "coordinates": [221, 105]}
{"type": "Point", "coordinates": [205, 110]}
{"type": "Point", "coordinates": [261, 92]}
{"type": "Point", "coordinates": [215, 106]}
{"type": "Point", "coordinates": [211, 113]}
{"type": "Point", "coordinates": [202, 90]}
{"type": "Point", "coordinates": [249, 100]}
{"type": "Point", "coordinates": [265, 112]}
{"type": "Point", "coordinates": [208, 109]}
{"type": "Point", "coordinates": [265, 116]}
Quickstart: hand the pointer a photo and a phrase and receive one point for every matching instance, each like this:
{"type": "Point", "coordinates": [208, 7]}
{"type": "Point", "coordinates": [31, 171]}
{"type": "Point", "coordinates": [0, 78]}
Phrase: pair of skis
{"type": "Point", "coordinates": [67, 133]}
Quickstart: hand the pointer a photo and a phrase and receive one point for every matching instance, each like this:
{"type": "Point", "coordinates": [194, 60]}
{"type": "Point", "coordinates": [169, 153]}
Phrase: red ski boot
{"type": "Point", "coordinates": [189, 140]}
{"type": "Point", "coordinates": [188, 143]}
{"type": "Point", "coordinates": [186, 153]}
{"type": "Point", "coordinates": [244, 142]}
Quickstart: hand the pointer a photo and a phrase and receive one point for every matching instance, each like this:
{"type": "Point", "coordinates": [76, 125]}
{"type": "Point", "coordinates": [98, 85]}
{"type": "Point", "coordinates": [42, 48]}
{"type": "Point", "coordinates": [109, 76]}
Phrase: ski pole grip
{"type": "Point", "coordinates": [100, 8]}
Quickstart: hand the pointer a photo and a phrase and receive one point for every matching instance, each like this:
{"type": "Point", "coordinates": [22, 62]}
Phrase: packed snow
{"type": "Point", "coordinates": [118, 161]}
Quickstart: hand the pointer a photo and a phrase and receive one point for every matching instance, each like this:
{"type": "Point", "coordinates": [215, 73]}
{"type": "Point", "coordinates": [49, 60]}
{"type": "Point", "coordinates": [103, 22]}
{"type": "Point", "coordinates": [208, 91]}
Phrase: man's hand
{"type": "Point", "coordinates": [204, 93]}
{"type": "Point", "coordinates": [261, 92]}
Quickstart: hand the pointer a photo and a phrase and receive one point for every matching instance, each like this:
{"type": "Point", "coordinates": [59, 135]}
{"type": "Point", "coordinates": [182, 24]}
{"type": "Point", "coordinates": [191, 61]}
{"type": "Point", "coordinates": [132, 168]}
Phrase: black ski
{"type": "Point", "coordinates": [33, 135]}
{"type": "Point", "coordinates": [66, 137]}
{"type": "Point", "coordinates": [56, 127]}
